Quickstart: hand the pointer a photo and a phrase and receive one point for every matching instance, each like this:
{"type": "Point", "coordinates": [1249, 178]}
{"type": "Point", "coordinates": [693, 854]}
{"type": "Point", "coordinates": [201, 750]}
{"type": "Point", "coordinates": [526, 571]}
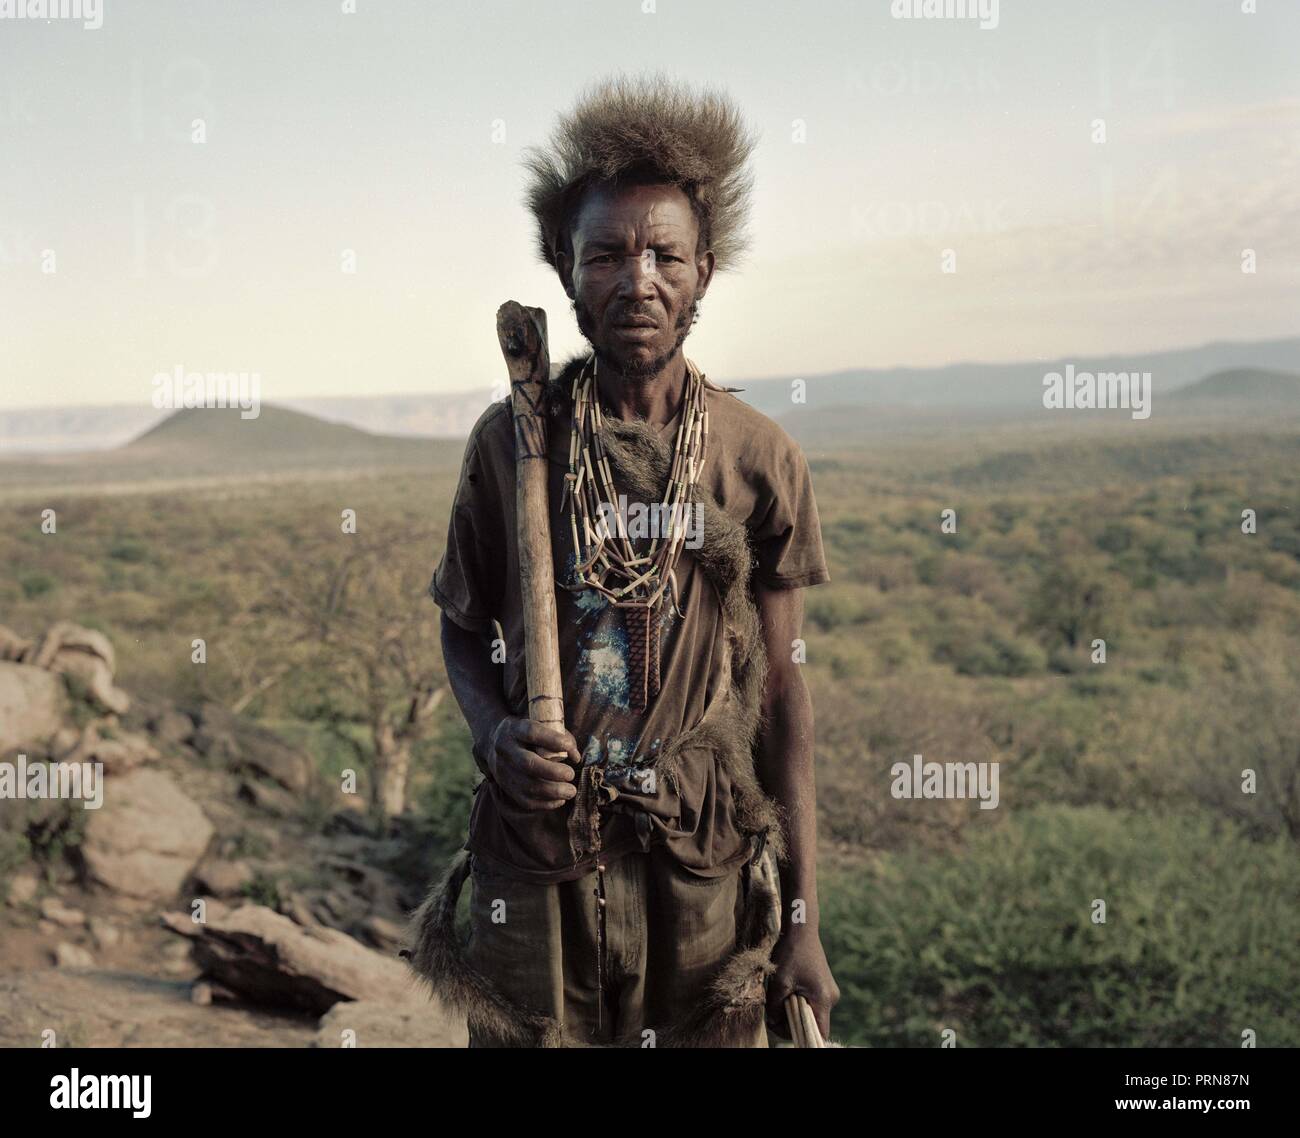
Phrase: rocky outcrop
{"type": "Point", "coordinates": [265, 958]}
{"type": "Point", "coordinates": [268, 797]}
{"type": "Point", "coordinates": [172, 827]}
{"type": "Point", "coordinates": [12, 646]}
{"type": "Point", "coordinates": [221, 878]}
{"type": "Point", "coordinates": [33, 706]}
{"type": "Point", "coordinates": [72, 650]}
{"type": "Point", "coordinates": [223, 736]}
{"type": "Point", "coordinates": [172, 727]}
{"type": "Point", "coordinates": [22, 889]}
{"type": "Point", "coordinates": [34, 701]}
{"type": "Point", "coordinates": [119, 752]}
{"type": "Point", "coordinates": [53, 909]}
{"type": "Point", "coordinates": [72, 956]}
{"type": "Point", "coordinates": [146, 838]}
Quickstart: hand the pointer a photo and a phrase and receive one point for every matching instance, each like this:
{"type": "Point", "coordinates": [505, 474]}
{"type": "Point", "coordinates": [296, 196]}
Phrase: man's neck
{"type": "Point", "coordinates": [654, 398]}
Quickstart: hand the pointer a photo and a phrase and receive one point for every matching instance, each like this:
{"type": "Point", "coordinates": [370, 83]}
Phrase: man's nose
{"type": "Point", "coordinates": [639, 275]}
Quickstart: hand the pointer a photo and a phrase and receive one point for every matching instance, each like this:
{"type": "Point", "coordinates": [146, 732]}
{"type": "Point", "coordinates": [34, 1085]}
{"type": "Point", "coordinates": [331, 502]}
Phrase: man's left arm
{"type": "Point", "coordinates": [784, 760]}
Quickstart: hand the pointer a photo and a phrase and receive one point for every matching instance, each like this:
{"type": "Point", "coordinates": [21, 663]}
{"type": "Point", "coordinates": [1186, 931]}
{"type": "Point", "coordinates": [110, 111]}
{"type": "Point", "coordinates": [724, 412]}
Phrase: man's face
{"type": "Point", "coordinates": [634, 277]}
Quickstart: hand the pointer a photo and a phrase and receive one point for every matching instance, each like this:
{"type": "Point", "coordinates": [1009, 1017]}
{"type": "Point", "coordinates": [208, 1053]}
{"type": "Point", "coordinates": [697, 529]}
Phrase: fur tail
{"type": "Point", "coordinates": [438, 959]}
{"type": "Point", "coordinates": [736, 1005]}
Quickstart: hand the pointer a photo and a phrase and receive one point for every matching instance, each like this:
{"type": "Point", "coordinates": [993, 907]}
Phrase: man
{"type": "Point", "coordinates": [623, 886]}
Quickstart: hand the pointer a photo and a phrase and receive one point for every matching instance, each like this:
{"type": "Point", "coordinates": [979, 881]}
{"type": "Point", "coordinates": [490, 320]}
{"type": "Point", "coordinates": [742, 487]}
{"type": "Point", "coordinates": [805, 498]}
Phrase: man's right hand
{"type": "Point", "coordinates": [518, 758]}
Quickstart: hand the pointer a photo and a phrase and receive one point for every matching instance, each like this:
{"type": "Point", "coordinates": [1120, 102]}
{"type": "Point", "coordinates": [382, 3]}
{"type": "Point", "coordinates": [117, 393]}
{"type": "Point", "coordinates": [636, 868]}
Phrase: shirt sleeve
{"type": "Point", "coordinates": [788, 534]}
{"type": "Point", "coordinates": [468, 584]}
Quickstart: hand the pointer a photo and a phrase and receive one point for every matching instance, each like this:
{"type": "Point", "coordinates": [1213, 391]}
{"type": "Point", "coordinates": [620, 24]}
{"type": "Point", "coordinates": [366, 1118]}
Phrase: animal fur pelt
{"type": "Point", "coordinates": [736, 1002]}
{"type": "Point", "coordinates": [438, 958]}
{"type": "Point", "coordinates": [648, 130]}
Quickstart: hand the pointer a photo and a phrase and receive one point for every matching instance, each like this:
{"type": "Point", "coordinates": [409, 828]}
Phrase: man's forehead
{"type": "Point", "coordinates": [603, 233]}
{"type": "Point", "coordinates": [660, 210]}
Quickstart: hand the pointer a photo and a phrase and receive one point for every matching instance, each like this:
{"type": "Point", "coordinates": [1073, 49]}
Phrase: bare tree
{"type": "Point", "coordinates": [354, 623]}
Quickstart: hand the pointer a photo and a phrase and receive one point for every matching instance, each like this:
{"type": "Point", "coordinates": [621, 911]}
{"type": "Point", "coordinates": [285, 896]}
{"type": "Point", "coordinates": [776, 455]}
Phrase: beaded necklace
{"type": "Point", "coordinates": [605, 559]}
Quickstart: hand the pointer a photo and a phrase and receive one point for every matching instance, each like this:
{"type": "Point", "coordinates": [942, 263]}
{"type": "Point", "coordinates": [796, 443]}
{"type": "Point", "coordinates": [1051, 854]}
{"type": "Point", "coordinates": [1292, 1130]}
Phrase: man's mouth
{"type": "Point", "coordinates": [636, 334]}
{"type": "Point", "coordinates": [637, 322]}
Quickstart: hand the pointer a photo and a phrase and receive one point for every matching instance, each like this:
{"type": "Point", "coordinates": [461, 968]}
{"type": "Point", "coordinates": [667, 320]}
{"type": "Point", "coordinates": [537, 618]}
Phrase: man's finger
{"type": "Point", "coordinates": [551, 739]}
{"type": "Point", "coordinates": [546, 789]}
{"type": "Point", "coordinates": [522, 785]}
{"type": "Point", "coordinates": [778, 989]}
{"type": "Point", "coordinates": [532, 765]}
{"type": "Point", "coordinates": [527, 793]}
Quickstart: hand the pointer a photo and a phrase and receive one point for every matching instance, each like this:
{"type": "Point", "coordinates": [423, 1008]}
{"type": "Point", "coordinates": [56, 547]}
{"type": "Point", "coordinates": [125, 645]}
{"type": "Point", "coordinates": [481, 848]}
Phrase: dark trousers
{"type": "Point", "coordinates": [615, 956]}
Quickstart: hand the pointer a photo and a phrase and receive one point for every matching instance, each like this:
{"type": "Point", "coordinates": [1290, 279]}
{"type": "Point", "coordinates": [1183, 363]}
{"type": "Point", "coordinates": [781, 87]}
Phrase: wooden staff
{"type": "Point", "coordinates": [522, 333]}
{"type": "Point", "coordinates": [803, 1024]}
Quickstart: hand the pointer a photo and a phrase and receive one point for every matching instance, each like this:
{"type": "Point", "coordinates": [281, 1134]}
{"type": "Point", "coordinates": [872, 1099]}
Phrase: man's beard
{"type": "Point", "coordinates": [631, 369]}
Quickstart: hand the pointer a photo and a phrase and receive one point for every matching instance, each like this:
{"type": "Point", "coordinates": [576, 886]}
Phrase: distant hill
{"type": "Point", "coordinates": [276, 433]}
{"type": "Point", "coordinates": [1245, 385]}
{"type": "Point", "coordinates": [1008, 387]}
{"type": "Point", "coordinates": [201, 446]}
{"type": "Point", "coordinates": [52, 430]}
{"type": "Point", "coordinates": [1241, 395]}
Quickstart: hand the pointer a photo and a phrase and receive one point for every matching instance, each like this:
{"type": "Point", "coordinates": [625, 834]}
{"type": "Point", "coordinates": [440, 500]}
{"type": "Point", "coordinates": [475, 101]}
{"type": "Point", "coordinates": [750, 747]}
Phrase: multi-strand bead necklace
{"type": "Point", "coordinates": [605, 559]}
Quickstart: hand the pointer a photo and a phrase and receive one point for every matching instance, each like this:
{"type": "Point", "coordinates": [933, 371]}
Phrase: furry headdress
{"type": "Point", "coordinates": [647, 129]}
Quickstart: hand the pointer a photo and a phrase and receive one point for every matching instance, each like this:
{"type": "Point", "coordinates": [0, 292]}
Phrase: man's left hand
{"type": "Point", "coordinates": [801, 967]}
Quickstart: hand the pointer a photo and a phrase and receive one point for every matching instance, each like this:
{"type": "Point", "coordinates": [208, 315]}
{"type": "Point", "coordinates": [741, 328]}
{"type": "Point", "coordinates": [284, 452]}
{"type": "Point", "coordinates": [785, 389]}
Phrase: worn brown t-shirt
{"type": "Point", "coordinates": [758, 475]}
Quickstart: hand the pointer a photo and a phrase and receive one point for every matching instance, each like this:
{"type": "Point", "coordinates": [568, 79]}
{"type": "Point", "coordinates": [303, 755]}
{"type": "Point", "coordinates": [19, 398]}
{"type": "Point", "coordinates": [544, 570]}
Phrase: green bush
{"type": "Point", "coordinates": [1201, 940]}
{"type": "Point", "coordinates": [36, 584]}
{"type": "Point", "coordinates": [15, 852]}
{"type": "Point", "coordinates": [444, 794]}
{"type": "Point", "coordinates": [263, 890]}
{"type": "Point", "coordinates": [126, 549]}
{"type": "Point", "coordinates": [974, 650]}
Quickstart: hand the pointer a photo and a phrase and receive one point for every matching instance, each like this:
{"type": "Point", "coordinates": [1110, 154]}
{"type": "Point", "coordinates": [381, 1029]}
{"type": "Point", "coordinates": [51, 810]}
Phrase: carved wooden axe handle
{"type": "Point", "coordinates": [522, 333]}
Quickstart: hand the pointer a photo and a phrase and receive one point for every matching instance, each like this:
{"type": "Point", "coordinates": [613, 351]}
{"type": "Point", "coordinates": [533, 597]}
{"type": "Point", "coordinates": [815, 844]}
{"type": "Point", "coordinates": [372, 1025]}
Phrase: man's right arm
{"type": "Point", "coordinates": [507, 749]}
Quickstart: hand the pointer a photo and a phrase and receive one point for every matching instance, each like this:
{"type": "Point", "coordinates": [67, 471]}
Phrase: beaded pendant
{"type": "Point", "coordinates": [605, 559]}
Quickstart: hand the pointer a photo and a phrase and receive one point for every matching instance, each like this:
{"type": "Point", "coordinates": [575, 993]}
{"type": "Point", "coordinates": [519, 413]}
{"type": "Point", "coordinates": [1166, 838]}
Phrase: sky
{"type": "Point", "coordinates": [396, 131]}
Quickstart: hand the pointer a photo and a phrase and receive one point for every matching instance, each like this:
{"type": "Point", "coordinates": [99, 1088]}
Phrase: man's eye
{"type": "Point", "coordinates": [603, 259]}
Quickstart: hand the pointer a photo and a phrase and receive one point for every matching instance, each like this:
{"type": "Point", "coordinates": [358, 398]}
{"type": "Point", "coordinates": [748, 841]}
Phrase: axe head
{"type": "Point", "coordinates": [522, 334]}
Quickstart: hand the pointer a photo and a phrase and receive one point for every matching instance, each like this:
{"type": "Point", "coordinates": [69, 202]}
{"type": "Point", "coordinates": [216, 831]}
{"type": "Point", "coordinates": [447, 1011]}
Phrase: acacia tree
{"type": "Point", "coordinates": [372, 662]}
